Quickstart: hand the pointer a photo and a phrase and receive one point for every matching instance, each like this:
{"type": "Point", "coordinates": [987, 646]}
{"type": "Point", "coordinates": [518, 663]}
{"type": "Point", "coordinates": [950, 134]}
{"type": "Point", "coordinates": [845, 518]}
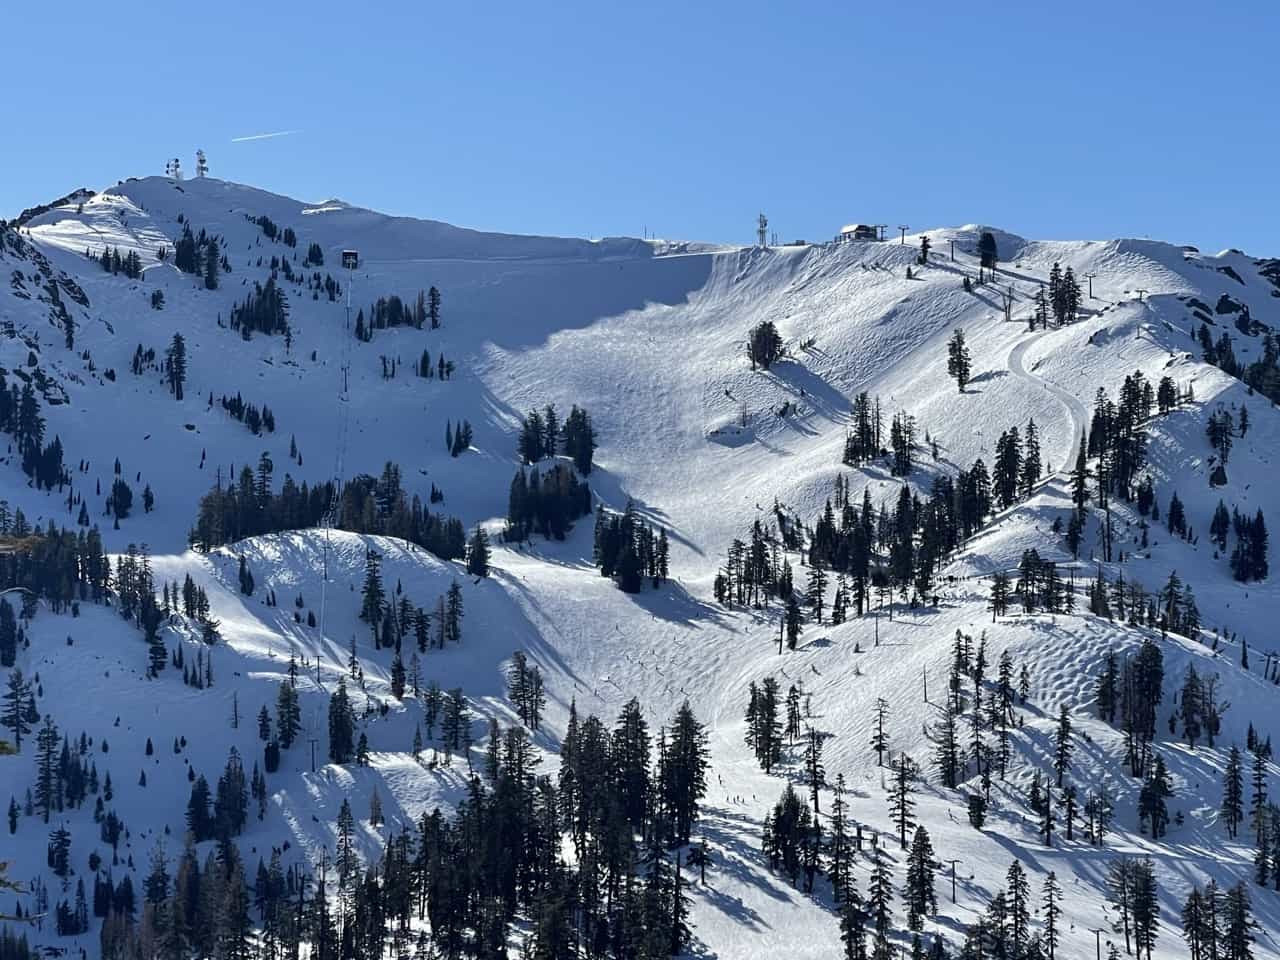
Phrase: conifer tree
{"type": "Point", "coordinates": [919, 894]}
{"type": "Point", "coordinates": [478, 553]}
{"type": "Point", "coordinates": [959, 363]}
{"type": "Point", "coordinates": [341, 725]}
{"type": "Point", "coordinates": [1233, 792]}
{"type": "Point", "coordinates": [815, 773]}
{"type": "Point", "coordinates": [1062, 744]}
{"type": "Point", "coordinates": [901, 795]}
{"type": "Point", "coordinates": [880, 736]}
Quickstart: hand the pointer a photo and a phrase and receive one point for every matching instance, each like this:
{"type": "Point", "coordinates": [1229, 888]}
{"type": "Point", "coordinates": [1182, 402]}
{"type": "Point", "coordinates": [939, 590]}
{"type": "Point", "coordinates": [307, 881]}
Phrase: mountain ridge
{"type": "Point", "coordinates": [651, 340]}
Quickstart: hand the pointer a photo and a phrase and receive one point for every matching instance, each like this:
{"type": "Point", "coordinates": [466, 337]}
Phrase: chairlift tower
{"type": "Point", "coordinates": [881, 228]}
{"type": "Point", "coordinates": [762, 230]}
{"type": "Point", "coordinates": [1089, 277]}
{"type": "Point", "coordinates": [903, 228]}
{"type": "Point", "coordinates": [202, 165]}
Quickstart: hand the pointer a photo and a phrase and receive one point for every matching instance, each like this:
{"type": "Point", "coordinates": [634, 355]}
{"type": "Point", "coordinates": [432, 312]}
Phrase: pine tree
{"type": "Point", "coordinates": [1000, 593]}
{"type": "Point", "coordinates": [1233, 792]}
{"type": "Point", "coordinates": [815, 773]}
{"type": "Point", "coordinates": [1258, 799]}
{"type": "Point", "coordinates": [1051, 910]}
{"type": "Point", "coordinates": [1237, 936]}
{"type": "Point", "coordinates": [478, 554]}
{"type": "Point", "coordinates": [794, 622]}
{"type": "Point", "coordinates": [919, 894]}
{"type": "Point", "coordinates": [879, 735]}
{"type": "Point", "coordinates": [288, 714]}
{"type": "Point", "coordinates": [958, 360]}
{"type": "Point", "coordinates": [16, 707]}
{"type": "Point", "coordinates": [341, 725]}
{"type": "Point", "coordinates": [1062, 744]}
{"type": "Point", "coordinates": [853, 925]}
{"type": "Point", "coordinates": [48, 796]}
{"type": "Point", "coordinates": [901, 796]}
{"type": "Point", "coordinates": [373, 596]}
{"type": "Point", "coordinates": [1018, 903]}
{"type": "Point", "coordinates": [880, 899]}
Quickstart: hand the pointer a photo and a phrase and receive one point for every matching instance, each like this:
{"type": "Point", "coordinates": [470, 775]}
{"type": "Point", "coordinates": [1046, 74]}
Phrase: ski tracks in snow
{"type": "Point", "coordinates": [1075, 409]}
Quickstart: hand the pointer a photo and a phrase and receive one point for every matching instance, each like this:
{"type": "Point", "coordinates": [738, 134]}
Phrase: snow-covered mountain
{"type": "Point", "coordinates": [650, 338]}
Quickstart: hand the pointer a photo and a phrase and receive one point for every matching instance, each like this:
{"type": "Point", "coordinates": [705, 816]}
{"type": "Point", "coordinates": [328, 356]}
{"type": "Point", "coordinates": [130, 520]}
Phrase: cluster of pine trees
{"type": "Point", "coordinates": [764, 345]}
{"type": "Point", "coordinates": [112, 262]}
{"type": "Point", "coordinates": [15, 946]}
{"type": "Point", "coordinates": [264, 310]}
{"type": "Point", "coordinates": [249, 507]}
{"type": "Point", "coordinates": [330, 287]}
{"type": "Point", "coordinates": [1039, 586]}
{"type": "Point", "coordinates": [627, 814]}
{"type": "Point", "coordinates": [66, 775]}
{"type": "Point", "coordinates": [524, 690]}
{"type": "Point", "coordinates": [1173, 608]}
{"type": "Point", "coordinates": [1061, 301]}
{"type": "Point", "coordinates": [393, 619]}
{"type": "Point", "coordinates": [863, 441]}
{"type": "Point", "coordinates": [1249, 557]}
{"type": "Point", "coordinates": [457, 440]}
{"type": "Point", "coordinates": [1263, 374]}
{"type": "Point", "coordinates": [767, 725]}
{"type": "Point", "coordinates": [1219, 429]}
{"type": "Point", "coordinates": [545, 502]}
{"type": "Point", "coordinates": [62, 566]}
{"type": "Point", "coordinates": [256, 420]}
{"type": "Point", "coordinates": [273, 232]}
{"type": "Point", "coordinates": [20, 417]}
{"type": "Point", "coordinates": [442, 368]}
{"type": "Point", "coordinates": [543, 435]}
{"type": "Point", "coordinates": [199, 254]}
{"type": "Point", "coordinates": [1116, 435]}
{"type": "Point", "coordinates": [868, 550]}
{"type": "Point", "coordinates": [1129, 691]}
{"type": "Point", "coordinates": [392, 311]}
{"type": "Point", "coordinates": [626, 549]}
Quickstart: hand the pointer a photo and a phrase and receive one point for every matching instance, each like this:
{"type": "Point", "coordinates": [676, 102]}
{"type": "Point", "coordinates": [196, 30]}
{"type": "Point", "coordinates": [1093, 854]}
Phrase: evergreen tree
{"type": "Point", "coordinates": [17, 707]}
{"type": "Point", "coordinates": [919, 895]}
{"type": "Point", "coordinates": [959, 364]}
{"type": "Point", "coordinates": [341, 725]}
{"type": "Point", "coordinates": [373, 596]}
{"type": "Point", "coordinates": [1233, 792]}
{"type": "Point", "coordinates": [1062, 744]}
{"type": "Point", "coordinates": [901, 796]}
{"type": "Point", "coordinates": [478, 554]}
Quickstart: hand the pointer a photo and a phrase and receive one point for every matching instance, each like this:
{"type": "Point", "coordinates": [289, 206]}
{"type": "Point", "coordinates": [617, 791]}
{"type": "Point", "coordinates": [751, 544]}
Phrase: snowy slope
{"type": "Point", "coordinates": [650, 338]}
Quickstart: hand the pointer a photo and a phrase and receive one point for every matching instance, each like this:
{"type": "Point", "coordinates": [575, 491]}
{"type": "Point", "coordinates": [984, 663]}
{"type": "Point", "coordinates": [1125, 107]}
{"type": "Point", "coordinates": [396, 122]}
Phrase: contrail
{"type": "Point", "coordinates": [264, 136]}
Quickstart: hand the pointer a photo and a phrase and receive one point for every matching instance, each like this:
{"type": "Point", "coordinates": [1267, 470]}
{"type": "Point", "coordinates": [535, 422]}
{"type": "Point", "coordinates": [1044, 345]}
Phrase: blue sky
{"type": "Point", "coordinates": [1131, 117]}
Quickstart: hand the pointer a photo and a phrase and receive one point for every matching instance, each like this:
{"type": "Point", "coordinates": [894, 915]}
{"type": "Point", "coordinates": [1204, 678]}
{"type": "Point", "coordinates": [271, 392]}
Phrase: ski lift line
{"type": "Point", "coordinates": [350, 260]}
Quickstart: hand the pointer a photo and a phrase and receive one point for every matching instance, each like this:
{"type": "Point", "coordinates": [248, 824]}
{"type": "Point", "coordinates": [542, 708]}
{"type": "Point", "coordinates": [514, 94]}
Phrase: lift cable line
{"type": "Point", "coordinates": [350, 260]}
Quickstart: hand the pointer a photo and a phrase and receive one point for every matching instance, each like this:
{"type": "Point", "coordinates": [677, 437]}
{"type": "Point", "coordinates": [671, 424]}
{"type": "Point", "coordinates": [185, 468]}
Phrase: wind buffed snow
{"type": "Point", "coordinates": [650, 338]}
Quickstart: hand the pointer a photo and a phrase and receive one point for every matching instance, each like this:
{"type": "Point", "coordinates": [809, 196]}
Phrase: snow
{"type": "Point", "coordinates": [649, 336]}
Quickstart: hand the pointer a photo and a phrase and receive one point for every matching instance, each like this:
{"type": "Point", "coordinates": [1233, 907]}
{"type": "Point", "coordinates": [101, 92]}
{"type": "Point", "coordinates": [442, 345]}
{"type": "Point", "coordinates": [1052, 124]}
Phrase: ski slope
{"type": "Point", "coordinates": [650, 338]}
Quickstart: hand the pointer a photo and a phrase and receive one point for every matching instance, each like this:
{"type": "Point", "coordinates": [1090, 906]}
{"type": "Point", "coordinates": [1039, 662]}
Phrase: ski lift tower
{"type": "Point", "coordinates": [202, 165]}
{"type": "Point", "coordinates": [350, 261]}
{"type": "Point", "coordinates": [762, 230]}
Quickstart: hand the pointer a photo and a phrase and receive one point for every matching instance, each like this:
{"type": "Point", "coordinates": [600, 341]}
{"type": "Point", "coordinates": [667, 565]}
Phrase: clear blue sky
{"type": "Point", "coordinates": [1078, 119]}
